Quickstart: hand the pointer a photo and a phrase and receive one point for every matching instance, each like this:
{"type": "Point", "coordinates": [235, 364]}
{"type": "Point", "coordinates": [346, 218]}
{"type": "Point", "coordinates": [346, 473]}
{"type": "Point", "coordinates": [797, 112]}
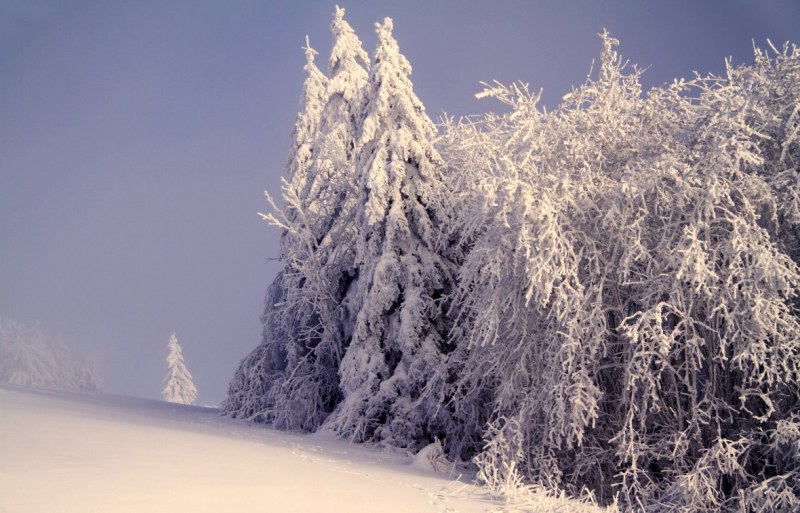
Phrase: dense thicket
{"type": "Point", "coordinates": [627, 299]}
{"type": "Point", "coordinates": [601, 297]}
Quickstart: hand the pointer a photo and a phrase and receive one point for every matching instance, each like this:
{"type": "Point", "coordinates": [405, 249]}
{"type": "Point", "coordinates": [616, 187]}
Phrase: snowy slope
{"type": "Point", "coordinates": [72, 452]}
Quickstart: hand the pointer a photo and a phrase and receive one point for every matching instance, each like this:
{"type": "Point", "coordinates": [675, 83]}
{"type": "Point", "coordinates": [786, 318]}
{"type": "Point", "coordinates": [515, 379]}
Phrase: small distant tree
{"type": "Point", "coordinates": [28, 357]}
{"type": "Point", "coordinates": [87, 376]}
{"type": "Point", "coordinates": [178, 386]}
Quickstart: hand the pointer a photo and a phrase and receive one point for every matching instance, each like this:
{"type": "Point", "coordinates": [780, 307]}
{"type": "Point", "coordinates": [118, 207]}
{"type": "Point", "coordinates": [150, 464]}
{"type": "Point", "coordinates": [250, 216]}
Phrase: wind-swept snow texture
{"type": "Point", "coordinates": [70, 452]}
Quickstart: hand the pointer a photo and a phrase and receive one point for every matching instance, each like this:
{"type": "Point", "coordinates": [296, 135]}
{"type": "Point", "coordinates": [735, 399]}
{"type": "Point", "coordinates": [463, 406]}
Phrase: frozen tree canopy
{"type": "Point", "coordinates": [598, 299]}
{"type": "Point", "coordinates": [178, 385]}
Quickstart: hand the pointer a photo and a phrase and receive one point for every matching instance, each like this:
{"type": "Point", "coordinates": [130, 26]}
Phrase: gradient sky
{"type": "Point", "coordinates": [137, 138]}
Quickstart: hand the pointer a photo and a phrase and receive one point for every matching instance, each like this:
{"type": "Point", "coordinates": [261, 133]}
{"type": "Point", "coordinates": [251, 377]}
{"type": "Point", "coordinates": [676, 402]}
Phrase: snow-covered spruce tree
{"type": "Point", "coordinates": [319, 263]}
{"type": "Point", "coordinates": [178, 386]}
{"type": "Point", "coordinates": [292, 378]}
{"type": "Point", "coordinates": [87, 376]}
{"type": "Point", "coordinates": [629, 322]}
{"type": "Point", "coordinates": [328, 198]}
{"type": "Point", "coordinates": [296, 395]}
{"type": "Point", "coordinates": [303, 151]}
{"type": "Point", "coordinates": [329, 193]}
{"type": "Point", "coordinates": [399, 340]}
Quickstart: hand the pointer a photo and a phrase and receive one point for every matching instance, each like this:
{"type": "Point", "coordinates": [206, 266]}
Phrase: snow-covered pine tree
{"type": "Point", "coordinates": [87, 376]}
{"type": "Point", "coordinates": [327, 195]}
{"type": "Point", "coordinates": [303, 335]}
{"type": "Point", "coordinates": [258, 389]}
{"type": "Point", "coordinates": [301, 280]}
{"type": "Point", "coordinates": [303, 150]}
{"type": "Point", "coordinates": [332, 195]}
{"type": "Point", "coordinates": [399, 339]}
{"type": "Point", "coordinates": [178, 386]}
{"type": "Point", "coordinates": [329, 189]}
{"type": "Point", "coordinates": [318, 263]}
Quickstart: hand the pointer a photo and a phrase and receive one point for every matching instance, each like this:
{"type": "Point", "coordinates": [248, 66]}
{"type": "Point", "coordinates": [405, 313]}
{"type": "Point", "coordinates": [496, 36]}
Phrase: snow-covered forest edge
{"type": "Point", "coordinates": [600, 299]}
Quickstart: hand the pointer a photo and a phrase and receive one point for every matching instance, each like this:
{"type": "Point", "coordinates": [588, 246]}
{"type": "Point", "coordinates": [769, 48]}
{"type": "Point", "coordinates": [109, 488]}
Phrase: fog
{"type": "Point", "coordinates": [137, 138]}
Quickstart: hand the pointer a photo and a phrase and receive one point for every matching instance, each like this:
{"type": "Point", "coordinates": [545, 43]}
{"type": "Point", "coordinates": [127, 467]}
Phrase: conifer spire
{"type": "Point", "coordinates": [400, 330]}
{"type": "Point", "coordinates": [178, 385]}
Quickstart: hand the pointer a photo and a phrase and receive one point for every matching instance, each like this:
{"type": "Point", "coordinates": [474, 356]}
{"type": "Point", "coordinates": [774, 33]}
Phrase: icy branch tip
{"type": "Point", "coordinates": [310, 52]}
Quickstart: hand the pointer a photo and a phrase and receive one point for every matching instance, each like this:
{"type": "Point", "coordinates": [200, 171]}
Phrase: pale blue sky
{"type": "Point", "coordinates": [137, 138]}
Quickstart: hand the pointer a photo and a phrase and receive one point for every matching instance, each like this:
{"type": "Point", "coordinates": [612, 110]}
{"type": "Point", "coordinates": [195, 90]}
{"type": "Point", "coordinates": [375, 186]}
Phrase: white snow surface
{"type": "Point", "coordinates": [65, 452]}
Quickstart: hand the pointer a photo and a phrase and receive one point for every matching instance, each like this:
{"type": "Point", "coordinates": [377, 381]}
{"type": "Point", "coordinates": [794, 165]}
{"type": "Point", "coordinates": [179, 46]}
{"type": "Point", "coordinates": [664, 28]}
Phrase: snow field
{"type": "Point", "coordinates": [70, 452]}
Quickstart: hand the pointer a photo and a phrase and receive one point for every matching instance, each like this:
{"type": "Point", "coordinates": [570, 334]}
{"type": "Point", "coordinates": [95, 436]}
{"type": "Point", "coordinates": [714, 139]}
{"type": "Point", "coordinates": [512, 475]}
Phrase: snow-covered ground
{"type": "Point", "coordinates": [75, 452]}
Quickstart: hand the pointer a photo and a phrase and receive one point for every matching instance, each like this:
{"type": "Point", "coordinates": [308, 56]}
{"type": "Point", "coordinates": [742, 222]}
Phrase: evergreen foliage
{"type": "Point", "coordinates": [252, 393]}
{"type": "Point", "coordinates": [401, 327]}
{"type": "Point", "coordinates": [307, 323]}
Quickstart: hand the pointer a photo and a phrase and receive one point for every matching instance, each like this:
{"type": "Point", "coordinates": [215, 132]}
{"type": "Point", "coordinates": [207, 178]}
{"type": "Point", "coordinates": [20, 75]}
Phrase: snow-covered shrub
{"type": "Point", "coordinates": [623, 303]}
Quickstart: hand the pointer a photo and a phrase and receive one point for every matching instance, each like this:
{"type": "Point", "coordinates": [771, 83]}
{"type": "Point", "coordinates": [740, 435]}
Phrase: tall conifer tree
{"type": "Point", "coordinates": [400, 331]}
{"type": "Point", "coordinates": [322, 262]}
